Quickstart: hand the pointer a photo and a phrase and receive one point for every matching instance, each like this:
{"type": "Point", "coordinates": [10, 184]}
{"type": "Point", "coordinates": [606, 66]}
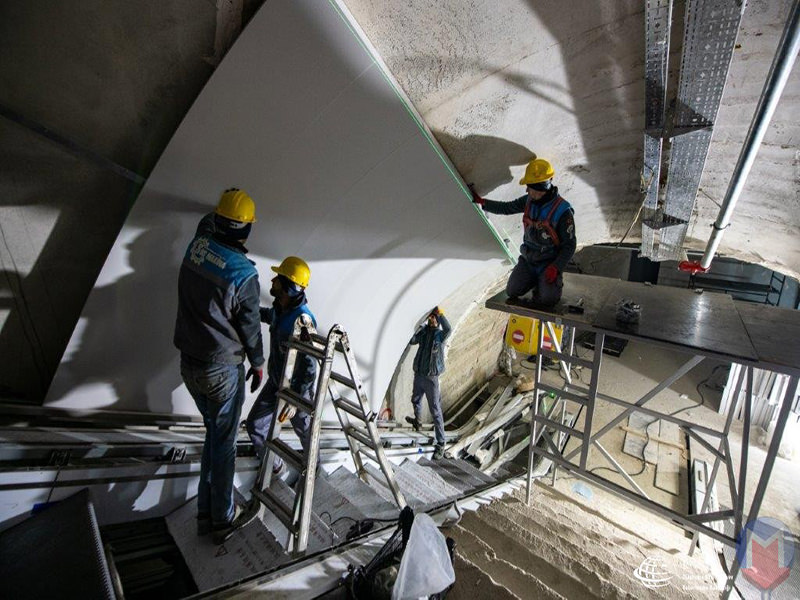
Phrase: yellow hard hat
{"type": "Point", "coordinates": [295, 269]}
{"type": "Point", "coordinates": [538, 170]}
{"type": "Point", "coordinates": [236, 205]}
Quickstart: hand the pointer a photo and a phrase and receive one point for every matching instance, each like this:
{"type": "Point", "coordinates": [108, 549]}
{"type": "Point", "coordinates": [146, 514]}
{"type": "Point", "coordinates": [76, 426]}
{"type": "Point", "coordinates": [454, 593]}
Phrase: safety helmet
{"type": "Point", "coordinates": [236, 205]}
{"type": "Point", "coordinates": [538, 170]}
{"type": "Point", "coordinates": [294, 269]}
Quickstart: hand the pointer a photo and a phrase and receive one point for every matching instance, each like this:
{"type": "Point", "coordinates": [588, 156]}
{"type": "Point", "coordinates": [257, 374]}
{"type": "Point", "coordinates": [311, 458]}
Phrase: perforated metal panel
{"type": "Point", "coordinates": [658, 20]}
{"type": "Point", "coordinates": [710, 33]}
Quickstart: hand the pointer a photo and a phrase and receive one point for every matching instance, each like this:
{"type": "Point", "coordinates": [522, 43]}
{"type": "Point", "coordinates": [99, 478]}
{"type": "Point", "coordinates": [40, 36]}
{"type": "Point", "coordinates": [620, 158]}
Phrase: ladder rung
{"type": "Point", "coordinates": [571, 359]}
{"type": "Point", "coordinates": [360, 435]}
{"type": "Point", "coordinates": [296, 400]}
{"type": "Point", "coordinates": [369, 454]}
{"type": "Point", "coordinates": [345, 381]}
{"type": "Point", "coordinates": [286, 453]}
{"type": "Point", "coordinates": [350, 408]}
{"type": "Point", "coordinates": [306, 349]}
{"type": "Point", "coordinates": [276, 507]}
{"type": "Point", "coordinates": [563, 393]}
{"type": "Point", "coordinates": [323, 341]}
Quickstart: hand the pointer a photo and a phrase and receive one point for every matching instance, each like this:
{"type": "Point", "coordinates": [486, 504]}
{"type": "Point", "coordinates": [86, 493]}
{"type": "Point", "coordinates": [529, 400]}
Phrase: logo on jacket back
{"type": "Point", "coordinates": [766, 552]}
{"type": "Point", "coordinates": [200, 252]}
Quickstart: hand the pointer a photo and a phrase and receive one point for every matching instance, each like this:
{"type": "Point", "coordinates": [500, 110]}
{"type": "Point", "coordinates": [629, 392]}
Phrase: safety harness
{"type": "Point", "coordinates": [547, 222]}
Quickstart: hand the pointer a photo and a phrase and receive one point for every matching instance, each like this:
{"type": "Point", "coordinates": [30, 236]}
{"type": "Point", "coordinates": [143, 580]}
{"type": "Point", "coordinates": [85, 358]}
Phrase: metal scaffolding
{"type": "Point", "coordinates": [701, 326]}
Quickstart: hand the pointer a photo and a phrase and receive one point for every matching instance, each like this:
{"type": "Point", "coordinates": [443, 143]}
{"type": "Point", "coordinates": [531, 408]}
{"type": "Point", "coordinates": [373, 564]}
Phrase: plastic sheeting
{"type": "Point", "coordinates": [301, 116]}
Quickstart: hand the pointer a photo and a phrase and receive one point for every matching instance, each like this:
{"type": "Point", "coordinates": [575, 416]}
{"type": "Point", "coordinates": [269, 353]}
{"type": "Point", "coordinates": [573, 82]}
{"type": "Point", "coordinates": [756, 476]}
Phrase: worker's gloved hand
{"type": "Point", "coordinates": [551, 274]}
{"type": "Point", "coordinates": [437, 311]}
{"type": "Point", "coordinates": [257, 373]}
{"type": "Point", "coordinates": [476, 199]}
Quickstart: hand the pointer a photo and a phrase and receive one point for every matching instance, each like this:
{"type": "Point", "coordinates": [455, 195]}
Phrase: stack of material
{"type": "Point", "coordinates": [485, 435]}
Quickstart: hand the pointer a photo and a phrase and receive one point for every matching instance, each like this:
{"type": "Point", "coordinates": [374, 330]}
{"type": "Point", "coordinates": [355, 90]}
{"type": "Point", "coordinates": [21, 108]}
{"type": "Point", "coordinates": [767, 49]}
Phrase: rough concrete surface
{"type": "Point", "coordinates": [586, 543]}
{"type": "Point", "coordinates": [497, 81]}
{"type": "Point", "coordinates": [563, 546]}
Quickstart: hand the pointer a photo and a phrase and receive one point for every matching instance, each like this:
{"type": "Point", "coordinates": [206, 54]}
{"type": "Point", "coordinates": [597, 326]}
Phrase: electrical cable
{"type": "Point", "coordinates": [702, 397]}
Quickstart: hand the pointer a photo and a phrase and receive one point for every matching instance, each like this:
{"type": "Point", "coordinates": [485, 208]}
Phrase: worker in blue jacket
{"type": "Point", "coordinates": [428, 365]}
{"type": "Point", "coordinates": [216, 328]}
{"type": "Point", "coordinates": [288, 289]}
{"type": "Point", "coordinates": [549, 234]}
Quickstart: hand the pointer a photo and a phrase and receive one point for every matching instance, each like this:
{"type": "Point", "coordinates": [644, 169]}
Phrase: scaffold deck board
{"type": "Point", "coordinates": [707, 323]}
{"type": "Point", "coordinates": [775, 334]}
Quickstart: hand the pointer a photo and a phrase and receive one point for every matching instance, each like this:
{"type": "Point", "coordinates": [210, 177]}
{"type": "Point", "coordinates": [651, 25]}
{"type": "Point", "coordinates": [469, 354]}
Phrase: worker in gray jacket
{"type": "Point", "coordinates": [549, 234]}
{"type": "Point", "coordinates": [217, 326]}
{"type": "Point", "coordinates": [428, 365]}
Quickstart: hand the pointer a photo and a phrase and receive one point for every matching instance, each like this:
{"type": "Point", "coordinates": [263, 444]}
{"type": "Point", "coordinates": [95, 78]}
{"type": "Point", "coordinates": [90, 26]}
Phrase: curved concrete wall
{"type": "Point", "coordinates": [301, 116]}
{"type": "Point", "coordinates": [565, 79]}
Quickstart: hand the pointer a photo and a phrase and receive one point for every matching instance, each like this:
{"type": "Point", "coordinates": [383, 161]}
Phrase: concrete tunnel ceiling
{"type": "Point", "coordinates": [495, 81]}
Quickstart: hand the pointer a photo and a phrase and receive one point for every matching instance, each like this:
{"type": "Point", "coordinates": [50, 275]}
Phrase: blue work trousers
{"type": "Point", "coordinates": [218, 391]}
{"type": "Point", "coordinates": [428, 385]}
{"type": "Point", "coordinates": [528, 276]}
{"type": "Point", "coordinates": [262, 413]}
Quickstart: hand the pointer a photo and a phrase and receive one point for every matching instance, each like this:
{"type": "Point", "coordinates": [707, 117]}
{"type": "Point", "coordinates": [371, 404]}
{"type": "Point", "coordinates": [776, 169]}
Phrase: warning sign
{"type": "Point", "coordinates": [522, 333]}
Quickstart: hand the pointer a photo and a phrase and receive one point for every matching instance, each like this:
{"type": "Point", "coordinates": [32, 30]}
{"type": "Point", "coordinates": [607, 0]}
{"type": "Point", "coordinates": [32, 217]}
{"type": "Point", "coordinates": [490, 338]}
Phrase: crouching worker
{"type": "Point", "coordinates": [549, 236]}
{"type": "Point", "coordinates": [428, 365]}
{"type": "Point", "coordinates": [217, 326]}
{"type": "Point", "coordinates": [288, 289]}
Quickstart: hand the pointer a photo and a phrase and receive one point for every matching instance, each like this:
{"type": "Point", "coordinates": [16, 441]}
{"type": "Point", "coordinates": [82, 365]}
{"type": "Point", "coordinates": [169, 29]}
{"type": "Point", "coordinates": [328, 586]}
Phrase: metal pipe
{"type": "Point", "coordinates": [773, 87]}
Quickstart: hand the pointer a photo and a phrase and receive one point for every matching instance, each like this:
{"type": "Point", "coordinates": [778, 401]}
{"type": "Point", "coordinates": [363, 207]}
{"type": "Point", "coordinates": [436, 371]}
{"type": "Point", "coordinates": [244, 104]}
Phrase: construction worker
{"type": "Point", "coordinates": [549, 236]}
{"type": "Point", "coordinates": [288, 289]}
{"type": "Point", "coordinates": [428, 365]}
{"type": "Point", "coordinates": [216, 328]}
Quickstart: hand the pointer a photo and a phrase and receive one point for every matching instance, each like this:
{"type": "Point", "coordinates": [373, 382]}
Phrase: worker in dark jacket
{"type": "Point", "coordinates": [549, 236]}
{"type": "Point", "coordinates": [428, 365]}
{"type": "Point", "coordinates": [288, 289]}
{"type": "Point", "coordinates": [217, 327]}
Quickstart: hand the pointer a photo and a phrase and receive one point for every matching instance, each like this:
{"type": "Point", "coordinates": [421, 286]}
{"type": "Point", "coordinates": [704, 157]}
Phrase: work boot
{"type": "Point", "coordinates": [241, 517]}
{"type": "Point", "coordinates": [414, 422]}
{"type": "Point", "coordinates": [438, 452]}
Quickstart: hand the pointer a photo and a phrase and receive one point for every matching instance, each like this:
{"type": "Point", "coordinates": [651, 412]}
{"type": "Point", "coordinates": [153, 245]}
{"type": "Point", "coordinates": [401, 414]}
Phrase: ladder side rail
{"type": "Point", "coordinates": [344, 421]}
{"type": "Point", "coordinates": [369, 421]}
{"type": "Point", "coordinates": [264, 478]}
{"type": "Point", "coordinates": [305, 497]}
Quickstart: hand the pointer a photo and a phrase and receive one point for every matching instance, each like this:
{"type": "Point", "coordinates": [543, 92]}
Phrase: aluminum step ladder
{"type": "Point", "coordinates": [362, 440]}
